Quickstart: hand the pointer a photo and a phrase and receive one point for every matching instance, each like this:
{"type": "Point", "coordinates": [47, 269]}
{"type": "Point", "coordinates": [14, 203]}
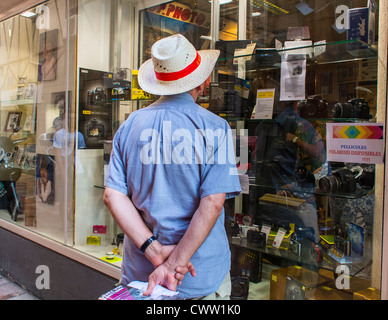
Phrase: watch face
{"type": "Point", "coordinates": [247, 220]}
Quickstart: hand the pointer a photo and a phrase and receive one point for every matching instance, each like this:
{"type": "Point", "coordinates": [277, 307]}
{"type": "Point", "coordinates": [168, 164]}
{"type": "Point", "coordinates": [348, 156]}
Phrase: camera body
{"type": "Point", "coordinates": [224, 99]}
{"type": "Point", "coordinates": [99, 95]}
{"type": "Point", "coordinates": [304, 178]}
{"type": "Point", "coordinates": [302, 239]}
{"type": "Point", "coordinates": [257, 237]}
{"type": "Point", "coordinates": [233, 229]}
{"type": "Point", "coordinates": [354, 108]}
{"type": "Point", "coordinates": [95, 128]}
{"type": "Point", "coordinates": [342, 181]}
{"type": "Point", "coordinates": [342, 245]}
{"type": "Point", "coordinates": [313, 107]}
{"type": "Point", "coordinates": [295, 245]}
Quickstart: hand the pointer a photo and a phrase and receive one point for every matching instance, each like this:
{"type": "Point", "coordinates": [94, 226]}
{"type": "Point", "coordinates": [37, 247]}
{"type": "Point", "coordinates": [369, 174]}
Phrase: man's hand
{"type": "Point", "coordinates": [200, 226]}
{"type": "Point", "coordinates": [157, 254]}
{"type": "Point", "coordinates": [163, 275]}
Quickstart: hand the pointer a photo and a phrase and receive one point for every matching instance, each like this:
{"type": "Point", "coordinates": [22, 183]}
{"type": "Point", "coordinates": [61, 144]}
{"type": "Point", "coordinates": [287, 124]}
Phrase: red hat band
{"type": "Point", "coordinates": [173, 76]}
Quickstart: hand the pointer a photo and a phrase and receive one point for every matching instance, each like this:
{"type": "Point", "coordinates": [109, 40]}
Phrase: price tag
{"type": "Point", "coordinates": [266, 229]}
{"type": "Point", "coordinates": [279, 238]}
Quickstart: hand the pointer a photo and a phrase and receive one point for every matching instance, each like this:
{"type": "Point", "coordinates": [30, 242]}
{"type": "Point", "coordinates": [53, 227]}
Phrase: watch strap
{"type": "Point", "coordinates": [146, 244]}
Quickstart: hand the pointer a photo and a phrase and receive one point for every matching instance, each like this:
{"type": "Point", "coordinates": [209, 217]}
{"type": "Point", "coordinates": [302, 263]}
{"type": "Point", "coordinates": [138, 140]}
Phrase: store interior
{"type": "Point", "coordinates": [75, 214]}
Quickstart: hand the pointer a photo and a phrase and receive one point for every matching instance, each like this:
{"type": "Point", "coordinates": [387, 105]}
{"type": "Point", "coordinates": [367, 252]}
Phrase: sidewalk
{"type": "Point", "coordinates": [11, 291]}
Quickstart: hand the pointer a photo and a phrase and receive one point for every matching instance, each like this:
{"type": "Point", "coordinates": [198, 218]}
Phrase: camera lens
{"type": "Point", "coordinates": [329, 184]}
{"type": "Point", "coordinates": [342, 110]}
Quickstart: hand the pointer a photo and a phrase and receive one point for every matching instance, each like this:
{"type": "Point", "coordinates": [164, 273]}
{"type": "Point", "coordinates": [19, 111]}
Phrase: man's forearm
{"type": "Point", "coordinates": [200, 226]}
{"type": "Point", "coordinates": [126, 216]}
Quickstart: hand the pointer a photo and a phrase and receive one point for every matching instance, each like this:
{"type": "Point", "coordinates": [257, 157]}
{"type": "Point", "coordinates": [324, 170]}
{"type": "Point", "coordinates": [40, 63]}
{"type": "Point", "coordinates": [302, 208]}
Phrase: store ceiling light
{"type": "Point", "coordinates": [256, 14]}
{"type": "Point", "coordinates": [28, 14]}
{"type": "Point", "coordinates": [269, 6]}
{"type": "Point", "coordinates": [223, 1]}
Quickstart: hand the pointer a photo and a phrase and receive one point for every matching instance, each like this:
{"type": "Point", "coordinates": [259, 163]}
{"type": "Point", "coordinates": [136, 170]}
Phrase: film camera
{"type": "Point", "coordinates": [354, 108]}
{"type": "Point", "coordinates": [343, 180]}
{"type": "Point", "coordinates": [313, 107]}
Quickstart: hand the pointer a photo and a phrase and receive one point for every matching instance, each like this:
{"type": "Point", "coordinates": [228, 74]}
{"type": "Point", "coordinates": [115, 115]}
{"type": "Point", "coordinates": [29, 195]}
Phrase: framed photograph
{"type": "Point", "coordinates": [45, 172]}
{"type": "Point", "coordinates": [13, 121]}
{"type": "Point", "coordinates": [48, 47]}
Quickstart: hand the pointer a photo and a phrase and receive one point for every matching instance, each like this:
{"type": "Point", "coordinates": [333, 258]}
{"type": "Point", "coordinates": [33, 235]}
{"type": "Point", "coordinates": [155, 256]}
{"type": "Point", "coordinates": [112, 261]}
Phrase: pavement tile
{"type": "Point", "coordinates": [9, 290]}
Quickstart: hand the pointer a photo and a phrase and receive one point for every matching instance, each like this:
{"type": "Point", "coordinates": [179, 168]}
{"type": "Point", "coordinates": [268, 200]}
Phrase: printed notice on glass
{"type": "Point", "coordinates": [355, 143]}
{"type": "Point", "coordinates": [244, 182]}
{"type": "Point", "coordinates": [293, 79]}
{"type": "Point", "coordinates": [264, 103]}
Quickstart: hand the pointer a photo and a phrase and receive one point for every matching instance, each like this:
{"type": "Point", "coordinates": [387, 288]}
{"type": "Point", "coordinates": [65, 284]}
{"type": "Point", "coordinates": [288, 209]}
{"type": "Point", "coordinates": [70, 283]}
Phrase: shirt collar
{"type": "Point", "coordinates": [184, 95]}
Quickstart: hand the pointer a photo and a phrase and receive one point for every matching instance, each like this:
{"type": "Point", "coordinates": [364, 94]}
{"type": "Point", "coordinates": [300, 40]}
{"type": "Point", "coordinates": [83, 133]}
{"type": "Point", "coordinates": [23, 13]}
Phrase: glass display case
{"type": "Point", "coordinates": [306, 203]}
{"type": "Point", "coordinates": [301, 90]}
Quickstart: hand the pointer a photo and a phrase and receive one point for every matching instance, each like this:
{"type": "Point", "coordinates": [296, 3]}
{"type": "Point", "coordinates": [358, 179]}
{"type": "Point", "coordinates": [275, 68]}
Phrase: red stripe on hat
{"type": "Point", "coordinates": [172, 76]}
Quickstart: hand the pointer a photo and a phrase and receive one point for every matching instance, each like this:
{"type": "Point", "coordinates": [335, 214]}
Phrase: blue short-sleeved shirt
{"type": "Point", "coordinates": [166, 157]}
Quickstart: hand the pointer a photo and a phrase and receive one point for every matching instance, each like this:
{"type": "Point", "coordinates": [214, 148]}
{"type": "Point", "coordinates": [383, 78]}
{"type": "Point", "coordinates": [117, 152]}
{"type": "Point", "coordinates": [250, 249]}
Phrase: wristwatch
{"type": "Point", "coordinates": [295, 139]}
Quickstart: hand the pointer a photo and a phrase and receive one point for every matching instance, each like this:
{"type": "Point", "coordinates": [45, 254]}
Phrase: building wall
{"type": "Point", "coordinates": [68, 279]}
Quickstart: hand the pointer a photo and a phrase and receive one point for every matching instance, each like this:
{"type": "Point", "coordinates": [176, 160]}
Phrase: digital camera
{"type": "Point", "coordinates": [354, 108]}
{"type": "Point", "coordinates": [313, 107]}
{"type": "Point", "coordinates": [342, 181]}
{"type": "Point", "coordinates": [343, 245]}
{"type": "Point", "coordinates": [295, 245]}
{"type": "Point", "coordinates": [99, 95]}
{"type": "Point", "coordinates": [304, 178]}
{"type": "Point", "coordinates": [95, 128]}
{"type": "Point", "coordinates": [257, 237]}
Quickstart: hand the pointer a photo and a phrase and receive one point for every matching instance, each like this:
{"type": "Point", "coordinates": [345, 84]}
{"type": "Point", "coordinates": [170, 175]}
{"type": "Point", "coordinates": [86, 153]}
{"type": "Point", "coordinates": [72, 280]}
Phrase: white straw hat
{"type": "Point", "coordinates": [175, 66]}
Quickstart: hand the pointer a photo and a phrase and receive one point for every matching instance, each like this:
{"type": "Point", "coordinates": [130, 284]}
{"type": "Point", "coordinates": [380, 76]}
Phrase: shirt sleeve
{"type": "Point", "coordinates": [219, 174]}
{"type": "Point", "coordinates": [116, 176]}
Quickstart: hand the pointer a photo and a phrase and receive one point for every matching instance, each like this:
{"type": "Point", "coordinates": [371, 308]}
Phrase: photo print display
{"type": "Point", "coordinates": [48, 47]}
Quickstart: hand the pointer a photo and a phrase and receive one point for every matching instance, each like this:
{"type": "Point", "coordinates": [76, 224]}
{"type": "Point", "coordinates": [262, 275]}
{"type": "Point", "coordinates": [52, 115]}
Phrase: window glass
{"type": "Point", "coordinates": [37, 112]}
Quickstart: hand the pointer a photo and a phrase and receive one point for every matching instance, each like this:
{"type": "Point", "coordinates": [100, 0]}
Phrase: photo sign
{"type": "Point", "coordinates": [355, 143]}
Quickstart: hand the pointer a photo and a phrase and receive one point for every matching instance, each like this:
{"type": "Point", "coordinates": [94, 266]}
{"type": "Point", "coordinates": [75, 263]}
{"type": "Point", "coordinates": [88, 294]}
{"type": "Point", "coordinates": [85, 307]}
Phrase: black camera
{"type": "Point", "coordinates": [342, 181]}
{"type": "Point", "coordinates": [257, 237]}
{"type": "Point", "coordinates": [233, 229]}
{"type": "Point", "coordinates": [313, 107]}
{"type": "Point", "coordinates": [304, 178]}
{"type": "Point", "coordinates": [95, 128]}
{"type": "Point", "coordinates": [302, 237]}
{"type": "Point", "coordinates": [354, 108]}
{"type": "Point", "coordinates": [295, 245]}
{"type": "Point", "coordinates": [342, 245]}
{"type": "Point", "coordinates": [228, 102]}
{"type": "Point", "coordinates": [99, 95]}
